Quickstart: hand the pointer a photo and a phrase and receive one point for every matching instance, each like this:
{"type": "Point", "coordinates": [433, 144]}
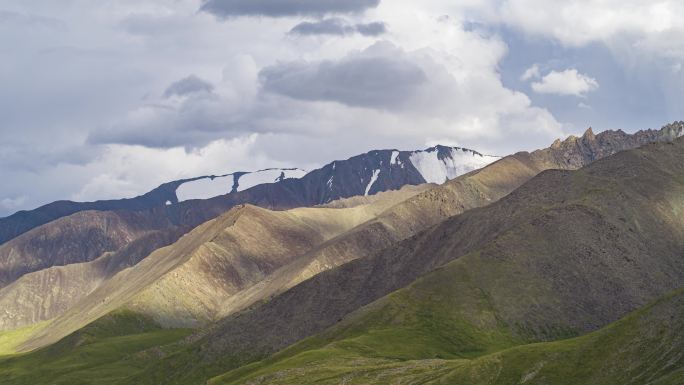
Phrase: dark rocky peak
{"type": "Point", "coordinates": [575, 152]}
{"type": "Point", "coordinates": [589, 135]}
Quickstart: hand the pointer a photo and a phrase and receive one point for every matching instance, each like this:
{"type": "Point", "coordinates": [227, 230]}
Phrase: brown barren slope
{"type": "Point", "coordinates": [45, 294]}
{"type": "Point", "coordinates": [81, 237]}
{"type": "Point", "coordinates": [184, 284]}
{"type": "Point", "coordinates": [406, 218]}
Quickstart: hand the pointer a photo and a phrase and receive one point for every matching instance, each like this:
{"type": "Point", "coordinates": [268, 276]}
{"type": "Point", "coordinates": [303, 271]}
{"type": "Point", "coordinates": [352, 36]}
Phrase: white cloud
{"type": "Point", "coordinates": [531, 73]}
{"type": "Point", "coordinates": [11, 204]}
{"type": "Point", "coordinates": [578, 22]}
{"type": "Point", "coordinates": [567, 82]}
{"type": "Point", "coordinates": [630, 28]}
{"type": "Point", "coordinates": [125, 171]}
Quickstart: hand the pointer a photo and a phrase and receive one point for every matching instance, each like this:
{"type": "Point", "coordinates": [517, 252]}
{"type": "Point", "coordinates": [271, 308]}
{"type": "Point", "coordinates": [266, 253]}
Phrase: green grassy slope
{"type": "Point", "coordinates": [10, 340]}
{"type": "Point", "coordinates": [646, 347]}
{"type": "Point", "coordinates": [104, 352]}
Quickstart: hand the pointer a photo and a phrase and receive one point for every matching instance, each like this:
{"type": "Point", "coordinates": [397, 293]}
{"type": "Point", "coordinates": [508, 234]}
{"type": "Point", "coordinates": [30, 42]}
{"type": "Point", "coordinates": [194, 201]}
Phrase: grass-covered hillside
{"type": "Point", "coordinates": [646, 347]}
{"type": "Point", "coordinates": [104, 352]}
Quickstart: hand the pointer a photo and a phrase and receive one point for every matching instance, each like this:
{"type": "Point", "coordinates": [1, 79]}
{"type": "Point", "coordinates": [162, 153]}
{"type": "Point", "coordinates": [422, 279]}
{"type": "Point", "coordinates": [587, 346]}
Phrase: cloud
{"type": "Point", "coordinates": [12, 204]}
{"type": "Point", "coordinates": [196, 118]}
{"type": "Point", "coordinates": [281, 8]}
{"type": "Point", "coordinates": [192, 121]}
{"type": "Point", "coordinates": [568, 82]}
{"type": "Point", "coordinates": [339, 27]}
{"type": "Point", "coordinates": [531, 73]}
{"type": "Point", "coordinates": [32, 21]}
{"type": "Point", "coordinates": [124, 171]}
{"type": "Point", "coordinates": [653, 24]}
{"type": "Point", "coordinates": [381, 92]}
{"type": "Point", "coordinates": [188, 85]}
{"type": "Point", "coordinates": [376, 28]}
{"type": "Point", "coordinates": [381, 76]}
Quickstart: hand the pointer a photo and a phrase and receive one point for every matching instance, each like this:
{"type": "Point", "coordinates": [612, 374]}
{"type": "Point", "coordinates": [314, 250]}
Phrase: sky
{"type": "Point", "coordinates": [108, 99]}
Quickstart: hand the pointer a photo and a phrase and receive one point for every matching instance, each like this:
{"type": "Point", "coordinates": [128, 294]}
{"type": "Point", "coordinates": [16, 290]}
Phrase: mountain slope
{"type": "Point", "coordinates": [563, 255]}
{"type": "Point", "coordinates": [644, 347]}
{"type": "Point", "coordinates": [45, 294]}
{"type": "Point", "coordinates": [417, 213]}
{"type": "Point", "coordinates": [66, 238]}
{"type": "Point", "coordinates": [391, 169]}
{"type": "Point", "coordinates": [411, 323]}
{"type": "Point", "coordinates": [185, 283]}
{"type": "Point", "coordinates": [393, 224]}
{"type": "Point", "coordinates": [105, 351]}
{"type": "Point", "coordinates": [23, 221]}
{"type": "Point", "coordinates": [78, 238]}
{"type": "Point", "coordinates": [271, 188]}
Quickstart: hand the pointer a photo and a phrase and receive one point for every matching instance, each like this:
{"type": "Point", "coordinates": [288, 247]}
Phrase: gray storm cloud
{"type": "Point", "coordinates": [282, 8]}
{"type": "Point", "coordinates": [188, 85]}
{"type": "Point", "coordinates": [339, 27]}
{"type": "Point", "coordinates": [378, 77]}
{"type": "Point", "coordinates": [372, 29]}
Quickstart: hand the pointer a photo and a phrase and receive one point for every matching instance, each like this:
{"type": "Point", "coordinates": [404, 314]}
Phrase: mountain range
{"type": "Point", "coordinates": [561, 265]}
{"type": "Point", "coordinates": [272, 188]}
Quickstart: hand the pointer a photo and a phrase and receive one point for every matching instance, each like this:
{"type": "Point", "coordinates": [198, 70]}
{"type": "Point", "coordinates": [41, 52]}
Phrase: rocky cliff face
{"type": "Point", "coordinates": [576, 152]}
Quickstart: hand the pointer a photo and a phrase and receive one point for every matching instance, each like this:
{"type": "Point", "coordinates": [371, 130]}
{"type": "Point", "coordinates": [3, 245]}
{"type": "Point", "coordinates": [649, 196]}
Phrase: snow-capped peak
{"type": "Point", "coordinates": [440, 164]}
{"type": "Point", "coordinates": [435, 165]}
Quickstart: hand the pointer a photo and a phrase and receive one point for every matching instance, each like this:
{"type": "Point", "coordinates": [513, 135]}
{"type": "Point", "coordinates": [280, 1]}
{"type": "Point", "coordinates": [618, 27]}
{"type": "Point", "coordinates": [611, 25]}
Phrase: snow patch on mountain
{"type": "Point", "coordinates": [205, 188]}
{"type": "Point", "coordinates": [213, 186]}
{"type": "Point", "coordinates": [440, 164]}
{"type": "Point", "coordinates": [374, 178]}
{"type": "Point", "coordinates": [435, 165]}
{"type": "Point", "coordinates": [393, 157]}
{"type": "Point", "coordinates": [267, 176]}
